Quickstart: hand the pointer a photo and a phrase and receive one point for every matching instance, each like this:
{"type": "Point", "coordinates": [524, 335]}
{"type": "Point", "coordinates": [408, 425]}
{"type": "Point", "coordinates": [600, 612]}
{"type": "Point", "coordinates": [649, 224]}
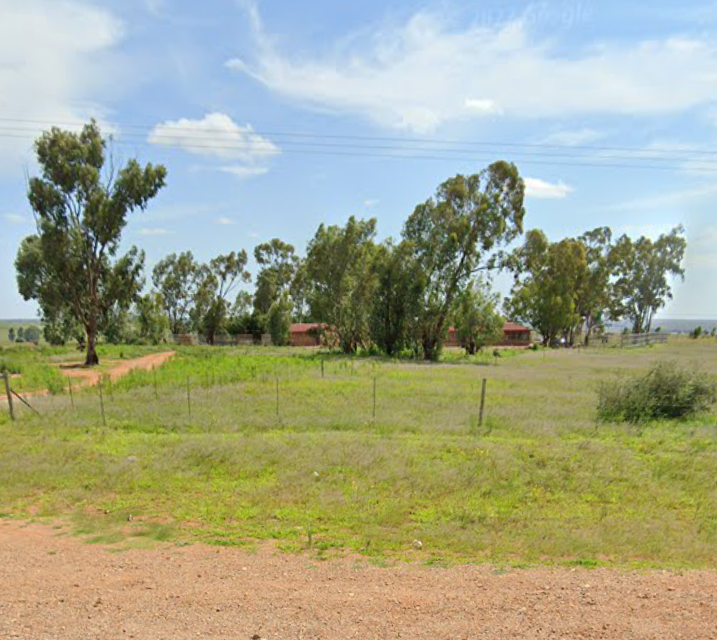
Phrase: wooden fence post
{"type": "Point", "coordinates": [102, 403]}
{"type": "Point", "coordinates": [482, 402]}
{"type": "Point", "coordinates": [156, 394]}
{"type": "Point", "coordinates": [322, 367]}
{"type": "Point", "coordinates": [277, 396]}
{"type": "Point", "coordinates": [374, 398]}
{"type": "Point", "coordinates": [72, 397]}
{"type": "Point", "coordinates": [6, 377]}
{"type": "Point", "coordinates": [189, 399]}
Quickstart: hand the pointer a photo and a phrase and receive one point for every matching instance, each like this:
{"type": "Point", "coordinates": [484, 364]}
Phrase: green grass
{"type": "Point", "coordinates": [540, 481]}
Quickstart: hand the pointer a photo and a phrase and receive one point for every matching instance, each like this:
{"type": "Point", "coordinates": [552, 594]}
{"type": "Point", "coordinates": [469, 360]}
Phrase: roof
{"type": "Point", "coordinates": [303, 327]}
{"type": "Point", "coordinates": [514, 327]}
{"type": "Point", "coordinates": [509, 327]}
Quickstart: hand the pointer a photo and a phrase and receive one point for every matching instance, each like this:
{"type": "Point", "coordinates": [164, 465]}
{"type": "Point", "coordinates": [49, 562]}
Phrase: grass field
{"type": "Point", "coordinates": [6, 324]}
{"type": "Point", "coordinates": [235, 446]}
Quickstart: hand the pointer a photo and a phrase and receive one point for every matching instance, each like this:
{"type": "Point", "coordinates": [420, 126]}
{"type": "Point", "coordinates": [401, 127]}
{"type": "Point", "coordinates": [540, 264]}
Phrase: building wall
{"type": "Point", "coordinates": [303, 339]}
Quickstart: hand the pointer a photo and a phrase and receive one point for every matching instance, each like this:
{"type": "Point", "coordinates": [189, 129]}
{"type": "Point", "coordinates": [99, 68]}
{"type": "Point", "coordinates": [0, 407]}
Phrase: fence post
{"type": "Point", "coordinates": [482, 402]}
{"type": "Point", "coordinates": [9, 395]}
{"type": "Point", "coordinates": [322, 367]}
{"type": "Point", "coordinates": [374, 398]}
{"type": "Point", "coordinates": [156, 394]}
{"type": "Point", "coordinates": [112, 393]}
{"type": "Point", "coordinates": [189, 399]}
{"type": "Point", "coordinates": [102, 403]}
{"type": "Point", "coordinates": [72, 397]}
{"type": "Point", "coordinates": [277, 396]}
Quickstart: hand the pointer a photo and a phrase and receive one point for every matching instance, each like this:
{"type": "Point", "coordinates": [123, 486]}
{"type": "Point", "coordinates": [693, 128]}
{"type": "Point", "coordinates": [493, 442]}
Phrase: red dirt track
{"type": "Point", "coordinates": [55, 587]}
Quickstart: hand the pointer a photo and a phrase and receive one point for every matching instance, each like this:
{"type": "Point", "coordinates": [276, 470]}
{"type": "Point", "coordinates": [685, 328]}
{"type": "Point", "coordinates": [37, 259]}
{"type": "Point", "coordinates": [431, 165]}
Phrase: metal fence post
{"type": "Point", "coordinates": [482, 402]}
{"type": "Point", "coordinates": [9, 395]}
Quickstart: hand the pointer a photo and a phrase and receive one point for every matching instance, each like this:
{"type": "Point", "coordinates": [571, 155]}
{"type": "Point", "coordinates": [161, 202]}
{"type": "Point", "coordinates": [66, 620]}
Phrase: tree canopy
{"type": "Point", "coordinates": [453, 235]}
{"type": "Point", "coordinates": [642, 269]}
{"type": "Point", "coordinates": [81, 204]}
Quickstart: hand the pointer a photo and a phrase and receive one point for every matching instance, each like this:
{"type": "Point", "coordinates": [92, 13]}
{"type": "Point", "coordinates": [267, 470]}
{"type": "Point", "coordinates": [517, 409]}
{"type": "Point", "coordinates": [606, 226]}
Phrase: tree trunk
{"type": "Point", "coordinates": [91, 360]}
{"type": "Point", "coordinates": [430, 349]}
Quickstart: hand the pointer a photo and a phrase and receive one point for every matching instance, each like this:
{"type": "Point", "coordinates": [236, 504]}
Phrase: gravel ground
{"type": "Point", "coordinates": [55, 587]}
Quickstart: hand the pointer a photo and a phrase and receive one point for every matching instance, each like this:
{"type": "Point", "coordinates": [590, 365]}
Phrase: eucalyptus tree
{"type": "Point", "coordinates": [455, 235]}
{"type": "Point", "coordinates": [81, 203]}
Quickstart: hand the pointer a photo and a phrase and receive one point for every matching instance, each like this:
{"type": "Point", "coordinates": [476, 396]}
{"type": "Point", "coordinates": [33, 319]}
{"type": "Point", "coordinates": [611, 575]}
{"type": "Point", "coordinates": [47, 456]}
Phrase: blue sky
{"type": "Point", "coordinates": [275, 116]}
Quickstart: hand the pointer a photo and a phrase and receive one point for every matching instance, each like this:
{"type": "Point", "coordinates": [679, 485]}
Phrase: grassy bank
{"type": "Point", "coordinates": [539, 481]}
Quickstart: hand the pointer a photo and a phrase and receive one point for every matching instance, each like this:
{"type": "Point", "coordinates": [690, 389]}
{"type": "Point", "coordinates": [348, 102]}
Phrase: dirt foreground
{"type": "Point", "coordinates": [53, 586]}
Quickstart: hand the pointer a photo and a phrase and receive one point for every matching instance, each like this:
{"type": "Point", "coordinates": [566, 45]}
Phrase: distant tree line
{"type": "Point", "coordinates": [392, 297]}
{"type": "Point", "coordinates": [24, 334]}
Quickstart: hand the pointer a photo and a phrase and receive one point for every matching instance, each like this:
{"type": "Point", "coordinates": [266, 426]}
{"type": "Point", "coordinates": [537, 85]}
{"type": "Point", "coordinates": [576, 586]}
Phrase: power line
{"type": "Point", "coordinates": [389, 156]}
{"type": "Point", "coordinates": [496, 143]}
{"type": "Point", "coordinates": [220, 143]}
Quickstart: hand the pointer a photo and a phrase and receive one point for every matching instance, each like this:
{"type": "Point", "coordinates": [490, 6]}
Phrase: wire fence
{"type": "Point", "coordinates": [330, 396]}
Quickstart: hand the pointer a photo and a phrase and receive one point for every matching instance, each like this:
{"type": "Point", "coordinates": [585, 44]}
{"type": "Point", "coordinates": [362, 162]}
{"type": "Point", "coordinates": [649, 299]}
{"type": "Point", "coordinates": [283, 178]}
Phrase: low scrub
{"type": "Point", "coordinates": [667, 391]}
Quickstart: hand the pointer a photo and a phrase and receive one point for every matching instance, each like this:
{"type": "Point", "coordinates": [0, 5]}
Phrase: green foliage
{"type": "Point", "coordinates": [71, 264]}
{"type": "Point", "coordinates": [278, 264]}
{"type": "Point", "coordinates": [32, 334]}
{"type": "Point", "coordinates": [11, 334]}
{"type": "Point", "coordinates": [397, 298]}
{"type": "Point", "coordinates": [118, 327]}
{"type": "Point", "coordinates": [477, 320]}
{"type": "Point", "coordinates": [342, 280]}
{"type": "Point", "coordinates": [177, 279]}
{"type": "Point", "coordinates": [642, 267]}
{"type": "Point", "coordinates": [61, 327]}
{"type": "Point", "coordinates": [696, 332]}
{"type": "Point", "coordinates": [217, 280]}
{"type": "Point", "coordinates": [548, 280]}
{"type": "Point", "coordinates": [278, 320]}
{"type": "Point", "coordinates": [667, 391]}
{"type": "Point", "coordinates": [21, 334]}
{"type": "Point", "coordinates": [452, 236]}
{"type": "Point", "coordinates": [152, 322]}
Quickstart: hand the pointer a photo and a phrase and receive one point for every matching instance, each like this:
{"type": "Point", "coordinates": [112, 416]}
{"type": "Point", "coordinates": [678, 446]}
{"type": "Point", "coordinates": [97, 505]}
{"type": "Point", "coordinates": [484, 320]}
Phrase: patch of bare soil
{"type": "Point", "coordinates": [55, 587]}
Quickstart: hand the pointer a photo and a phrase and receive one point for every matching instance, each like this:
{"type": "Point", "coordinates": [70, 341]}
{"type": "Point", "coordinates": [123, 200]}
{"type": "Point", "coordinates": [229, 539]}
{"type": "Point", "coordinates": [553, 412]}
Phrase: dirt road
{"type": "Point", "coordinates": [89, 376]}
{"type": "Point", "coordinates": [55, 587]}
{"type": "Point", "coordinates": [123, 367]}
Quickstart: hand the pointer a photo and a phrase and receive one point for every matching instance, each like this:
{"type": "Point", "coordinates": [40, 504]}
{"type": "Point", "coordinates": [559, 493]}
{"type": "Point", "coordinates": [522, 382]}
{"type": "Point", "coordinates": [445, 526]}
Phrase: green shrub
{"type": "Point", "coordinates": [666, 391]}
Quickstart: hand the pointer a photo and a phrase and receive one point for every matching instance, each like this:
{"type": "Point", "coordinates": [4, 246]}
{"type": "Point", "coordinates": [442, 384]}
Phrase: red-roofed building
{"type": "Point", "coordinates": [514, 334]}
{"type": "Point", "coordinates": [305, 334]}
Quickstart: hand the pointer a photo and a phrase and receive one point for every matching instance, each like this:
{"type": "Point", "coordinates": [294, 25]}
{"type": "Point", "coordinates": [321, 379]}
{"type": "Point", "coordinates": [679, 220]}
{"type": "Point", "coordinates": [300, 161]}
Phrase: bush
{"type": "Point", "coordinates": [666, 391]}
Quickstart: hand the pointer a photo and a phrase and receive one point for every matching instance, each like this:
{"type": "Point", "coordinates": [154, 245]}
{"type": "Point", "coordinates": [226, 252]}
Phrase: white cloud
{"type": "Point", "coordinates": [154, 231]}
{"type": "Point", "coordinates": [572, 137]}
{"type": "Point", "coordinates": [224, 221]}
{"type": "Point", "coordinates": [244, 171]}
{"type": "Point", "coordinates": [16, 218]}
{"type": "Point", "coordinates": [218, 136]}
{"type": "Point", "coordinates": [411, 76]}
{"type": "Point", "coordinates": [542, 190]}
{"type": "Point", "coordinates": [370, 203]}
{"type": "Point", "coordinates": [56, 62]}
{"type": "Point", "coordinates": [486, 107]}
